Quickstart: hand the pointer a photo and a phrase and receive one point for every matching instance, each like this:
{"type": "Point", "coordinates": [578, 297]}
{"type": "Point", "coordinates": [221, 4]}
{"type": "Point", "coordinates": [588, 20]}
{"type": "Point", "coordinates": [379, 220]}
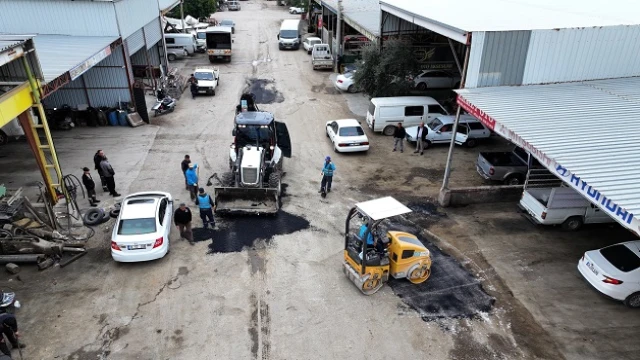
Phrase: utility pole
{"type": "Point", "coordinates": [182, 16]}
{"type": "Point", "coordinates": [338, 53]}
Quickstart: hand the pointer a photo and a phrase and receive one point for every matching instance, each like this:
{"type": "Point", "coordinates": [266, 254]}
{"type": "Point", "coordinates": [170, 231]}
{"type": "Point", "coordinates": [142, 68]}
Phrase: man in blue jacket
{"type": "Point", "coordinates": [327, 175]}
{"type": "Point", "coordinates": [205, 202]}
{"type": "Point", "coordinates": [192, 179]}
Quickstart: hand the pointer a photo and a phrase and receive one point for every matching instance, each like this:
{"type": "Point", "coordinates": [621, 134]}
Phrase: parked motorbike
{"type": "Point", "coordinates": [9, 303]}
{"type": "Point", "coordinates": [164, 103]}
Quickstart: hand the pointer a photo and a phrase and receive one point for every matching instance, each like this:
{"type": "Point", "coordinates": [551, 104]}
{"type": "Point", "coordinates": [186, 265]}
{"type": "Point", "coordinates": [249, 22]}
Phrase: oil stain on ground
{"type": "Point", "coordinates": [264, 90]}
{"type": "Point", "coordinates": [450, 292]}
{"type": "Point", "coordinates": [234, 233]}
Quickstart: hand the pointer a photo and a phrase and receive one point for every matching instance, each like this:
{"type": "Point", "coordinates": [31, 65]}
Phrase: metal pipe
{"type": "Point", "coordinates": [447, 169]}
{"type": "Point", "coordinates": [338, 38]}
{"type": "Point", "coordinates": [182, 15]}
{"type": "Point", "coordinates": [455, 55]}
{"type": "Point", "coordinates": [23, 258]}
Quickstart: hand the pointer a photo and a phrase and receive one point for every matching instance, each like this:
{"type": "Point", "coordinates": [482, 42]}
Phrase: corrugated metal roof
{"type": "Point", "coordinates": [364, 14]}
{"type": "Point", "coordinates": [505, 15]}
{"type": "Point", "coordinates": [61, 53]}
{"type": "Point", "coordinates": [585, 132]}
{"type": "Point", "coordinates": [12, 41]}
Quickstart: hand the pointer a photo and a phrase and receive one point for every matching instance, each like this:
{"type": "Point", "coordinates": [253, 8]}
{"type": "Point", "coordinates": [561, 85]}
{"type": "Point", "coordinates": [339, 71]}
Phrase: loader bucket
{"type": "Point", "coordinates": [238, 200]}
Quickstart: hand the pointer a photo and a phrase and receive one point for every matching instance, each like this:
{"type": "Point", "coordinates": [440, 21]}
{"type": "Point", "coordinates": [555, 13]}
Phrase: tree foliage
{"type": "Point", "coordinates": [199, 9]}
{"type": "Point", "coordinates": [389, 73]}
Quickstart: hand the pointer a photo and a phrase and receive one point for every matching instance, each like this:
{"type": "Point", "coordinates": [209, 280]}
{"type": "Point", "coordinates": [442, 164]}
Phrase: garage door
{"type": "Point", "coordinates": [135, 42]}
{"type": "Point", "coordinates": [153, 32]}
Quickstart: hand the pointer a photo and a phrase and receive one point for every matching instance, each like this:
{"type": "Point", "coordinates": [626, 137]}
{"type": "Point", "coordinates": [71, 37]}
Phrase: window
{"type": "Point", "coordinates": [436, 109]}
{"type": "Point", "coordinates": [334, 127]}
{"type": "Point", "coordinates": [445, 128]}
{"type": "Point", "coordinates": [462, 129]}
{"type": "Point", "coordinates": [475, 126]}
{"type": "Point", "coordinates": [620, 256]}
{"type": "Point", "coordinates": [521, 154]}
{"type": "Point", "coordinates": [434, 124]}
{"type": "Point", "coordinates": [170, 40]}
{"type": "Point", "coordinates": [351, 131]}
{"type": "Point", "coordinates": [394, 256]}
{"type": "Point", "coordinates": [407, 254]}
{"type": "Point", "coordinates": [414, 111]}
{"type": "Point", "coordinates": [203, 76]}
{"type": "Point", "coordinates": [137, 226]}
{"type": "Point", "coordinates": [372, 108]}
{"type": "Point", "coordinates": [162, 210]}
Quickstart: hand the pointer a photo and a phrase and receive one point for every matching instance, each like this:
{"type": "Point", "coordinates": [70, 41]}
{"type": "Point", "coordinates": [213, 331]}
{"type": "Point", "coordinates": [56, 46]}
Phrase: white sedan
{"type": "Point", "coordinates": [614, 271]}
{"type": "Point", "coordinates": [295, 10]}
{"type": "Point", "coordinates": [436, 79]}
{"type": "Point", "coordinates": [141, 232]}
{"type": "Point", "coordinates": [345, 82]}
{"type": "Point", "coordinates": [347, 135]}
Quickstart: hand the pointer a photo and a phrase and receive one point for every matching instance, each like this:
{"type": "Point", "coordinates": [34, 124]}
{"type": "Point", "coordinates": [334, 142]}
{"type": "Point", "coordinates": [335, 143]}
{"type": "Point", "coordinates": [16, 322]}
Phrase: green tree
{"type": "Point", "coordinates": [199, 9]}
{"type": "Point", "coordinates": [389, 73]}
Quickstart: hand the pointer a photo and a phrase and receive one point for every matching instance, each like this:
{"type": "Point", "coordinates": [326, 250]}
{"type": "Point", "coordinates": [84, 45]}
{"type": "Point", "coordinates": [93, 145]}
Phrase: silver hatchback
{"type": "Point", "coordinates": [233, 5]}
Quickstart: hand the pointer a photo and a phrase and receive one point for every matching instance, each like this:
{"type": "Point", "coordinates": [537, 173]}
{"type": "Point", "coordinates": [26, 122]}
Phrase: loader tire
{"type": "Point", "coordinates": [274, 181]}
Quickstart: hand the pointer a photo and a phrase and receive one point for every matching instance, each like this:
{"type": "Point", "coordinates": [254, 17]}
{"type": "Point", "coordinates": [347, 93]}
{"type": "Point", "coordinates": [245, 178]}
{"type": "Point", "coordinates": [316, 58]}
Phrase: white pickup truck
{"type": "Point", "coordinates": [321, 57]}
{"type": "Point", "coordinates": [560, 206]}
{"type": "Point", "coordinates": [208, 79]}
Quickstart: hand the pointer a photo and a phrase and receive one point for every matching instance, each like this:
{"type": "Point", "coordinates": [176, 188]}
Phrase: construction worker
{"type": "Point", "coordinates": [327, 175]}
{"type": "Point", "coordinates": [9, 327]}
{"type": "Point", "coordinates": [206, 205]}
{"type": "Point", "coordinates": [192, 180]}
{"type": "Point", "coordinates": [90, 185]}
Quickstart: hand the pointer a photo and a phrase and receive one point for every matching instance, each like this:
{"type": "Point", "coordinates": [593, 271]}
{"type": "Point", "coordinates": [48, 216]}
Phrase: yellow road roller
{"type": "Point", "coordinates": [370, 258]}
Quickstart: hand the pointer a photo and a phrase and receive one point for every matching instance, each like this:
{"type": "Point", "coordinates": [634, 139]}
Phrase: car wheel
{"type": "Point", "coordinates": [351, 89]}
{"type": "Point", "coordinates": [389, 130]}
{"type": "Point", "coordinates": [422, 86]}
{"type": "Point", "coordinates": [573, 223]}
{"type": "Point", "coordinates": [4, 138]}
{"type": "Point", "coordinates": [171, 57]}
{"type": "Point", "coordinates": [426, 145]}
{"type": "Point", "coordinates": [93, 217]}
{"type": "Point", "coordinates": [213, 92]}
{"type": "Point", "coordinates": [514, 180]}
{"type": "Point", "coordinates": [633, 300]}
{"type": "Point", "coordinates": [471, 143]}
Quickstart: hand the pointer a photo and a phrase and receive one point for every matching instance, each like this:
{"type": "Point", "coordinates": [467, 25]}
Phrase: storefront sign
{"type": "Point", "coordinates": [473, 110]}
{"type": "Point", "coordinates": [95, 59]}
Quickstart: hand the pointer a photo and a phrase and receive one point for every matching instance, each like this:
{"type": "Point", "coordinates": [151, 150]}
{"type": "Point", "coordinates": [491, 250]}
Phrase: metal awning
{"type": "Point", "coordinates": [11, 47]}
{"type": "Point", "coordinates": [586, 133]}
{"type": "Point", "coordinates": [362, 15]}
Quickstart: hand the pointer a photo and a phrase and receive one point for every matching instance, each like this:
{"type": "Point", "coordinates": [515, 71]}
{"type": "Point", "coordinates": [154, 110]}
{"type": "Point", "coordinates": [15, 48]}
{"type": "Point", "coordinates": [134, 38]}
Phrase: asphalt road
{"type": "Point", "coordinates": [263, 288]}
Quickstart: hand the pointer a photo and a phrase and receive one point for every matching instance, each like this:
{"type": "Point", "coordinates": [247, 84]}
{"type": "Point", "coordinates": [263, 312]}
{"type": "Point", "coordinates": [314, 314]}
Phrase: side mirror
{"type": "Point", "coordinates": [233, 132]}
{"type": "Point", "coordinates": [438, 132]}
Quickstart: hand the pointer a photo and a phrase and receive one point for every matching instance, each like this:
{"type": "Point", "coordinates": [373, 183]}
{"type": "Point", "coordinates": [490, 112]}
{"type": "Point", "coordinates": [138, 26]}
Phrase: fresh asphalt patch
{"type": "Point", "coordinates": [264, 91]}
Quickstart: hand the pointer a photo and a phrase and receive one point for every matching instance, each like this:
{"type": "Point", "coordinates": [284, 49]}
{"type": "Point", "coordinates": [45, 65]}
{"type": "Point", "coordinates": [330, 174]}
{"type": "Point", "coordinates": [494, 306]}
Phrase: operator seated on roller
{"type": "Point", "coordinates": [379, 246]}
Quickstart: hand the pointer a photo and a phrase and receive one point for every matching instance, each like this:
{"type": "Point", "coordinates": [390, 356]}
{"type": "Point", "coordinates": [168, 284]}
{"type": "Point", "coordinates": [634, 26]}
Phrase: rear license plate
{"type": "Point", "coordinates": [136, 247]}
{"type": "Point", "coordinates": [593, 268]}
{"type": "Point", "coordinates": [354, 144]}
{"type": "Point", "coordinates": [202, 91]}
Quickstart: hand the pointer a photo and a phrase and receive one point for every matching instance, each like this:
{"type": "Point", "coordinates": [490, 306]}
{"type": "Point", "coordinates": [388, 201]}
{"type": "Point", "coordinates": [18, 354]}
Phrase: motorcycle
{"type": "Point", "coordinates": [9, 303]}
{"type": "Point", "coordinates": [164, 103]}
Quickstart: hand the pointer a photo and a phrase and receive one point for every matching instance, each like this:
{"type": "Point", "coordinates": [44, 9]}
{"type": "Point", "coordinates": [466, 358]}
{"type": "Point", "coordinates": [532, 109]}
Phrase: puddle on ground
{"type": "Point", "coordinates": [264, 90]}
{"type": "Point", "coordinates": [450, 292]}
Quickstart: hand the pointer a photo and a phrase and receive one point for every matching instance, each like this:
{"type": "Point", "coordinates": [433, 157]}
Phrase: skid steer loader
{"type": "Point", "coordinates": [253, 185]}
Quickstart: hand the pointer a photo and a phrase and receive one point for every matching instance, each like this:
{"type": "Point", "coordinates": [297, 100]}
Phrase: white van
{"type": "Point", "coordinates": [385, 113]}
{"type": "Point", "coordinates": [185, 41]}
{"type": "Point", "coordinates": [290, 35]}
{"type": "Point", "coordinates": [11, 130]}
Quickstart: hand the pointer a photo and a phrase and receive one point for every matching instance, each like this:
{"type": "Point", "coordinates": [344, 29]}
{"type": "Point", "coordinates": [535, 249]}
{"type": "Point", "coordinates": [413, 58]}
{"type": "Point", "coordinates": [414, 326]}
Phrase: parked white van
{"type": "Point", "coordinates": [185, 41]}
{"type": "Point", "coordinates": [290, 35]}
{"type": "Point", "coordinates": [385, 113]}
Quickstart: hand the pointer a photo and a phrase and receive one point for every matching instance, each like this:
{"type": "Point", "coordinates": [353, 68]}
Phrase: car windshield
{"type": "Point", "coordinates": [434, 124]}
{"type": "Point", "coordinates": [137, 226]}
{"type": "Point", "coordinates": [202, 35]}
{"type": "Point", "coordinates": [253, 134]}
{"type": "Point", "coordinates": [313, 42]}
{"type": "Point", "coordinates": [351, 131]}
{"type": "Point", "coordinates": [372, 108]}
{"type": "Point", "coordinates": [226, 22]}
{"type": "Point", "coordinates": [288, 34]}
{"type": "Point", "coordinates": [349, 74]}
{"type": "Point", "coordinates": [620, 256]}
{"type": "Point", "coordinates": [203, 76]}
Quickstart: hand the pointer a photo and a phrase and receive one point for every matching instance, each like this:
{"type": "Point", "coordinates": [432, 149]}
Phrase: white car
{"type": "Point", "coordinates": [439, 130]}
{"type": "Point", "coordinates": [141, 232]}
{"type": "Point", "coordinates": [347, 135]}
{"type": "Point", "coordinates": [309, 42]}
{"type": "Point", "coordinates": [345, 82]}
{"type": "Point", "coordinates": [614, 271]}
{"type": "Point", "coordinates": [295, 10]}
{"type": "Point", "coordinates": [436, 79]}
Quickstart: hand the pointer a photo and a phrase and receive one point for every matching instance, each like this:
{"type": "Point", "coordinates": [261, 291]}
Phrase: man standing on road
{"type": "Point", "coordinates": [97, 158]}
{"type": "Point", "coordinates": [108, 172]}
{"type": "Point", "coordinates": [421, 138]}
{"type": "Point", "coordinates": [205, 202]}
{"type": "Point", "coordinates": [327, 175]}
{"type": "Point", "coordinates": [192, 180]}
{"type": "Point", "coordinates": [185, 166]}
{"type": "Point", "coordinates": [90, 185]}
{"type": "Point", "coordinates": [9, 327]}
{"type": "Point", "coordinates": [182, 219]}
{"type": "Point", "coordinates": [193, 84]}
{"type": "Point", "coordinates": [398, 137]}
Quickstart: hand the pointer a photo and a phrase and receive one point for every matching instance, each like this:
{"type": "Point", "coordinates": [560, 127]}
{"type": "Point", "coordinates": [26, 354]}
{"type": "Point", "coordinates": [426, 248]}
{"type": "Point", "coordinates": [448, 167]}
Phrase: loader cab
{"type": "Point", "coordinates": [397, 254]}
{"type": "Point", "coordinates": [258, 128]}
